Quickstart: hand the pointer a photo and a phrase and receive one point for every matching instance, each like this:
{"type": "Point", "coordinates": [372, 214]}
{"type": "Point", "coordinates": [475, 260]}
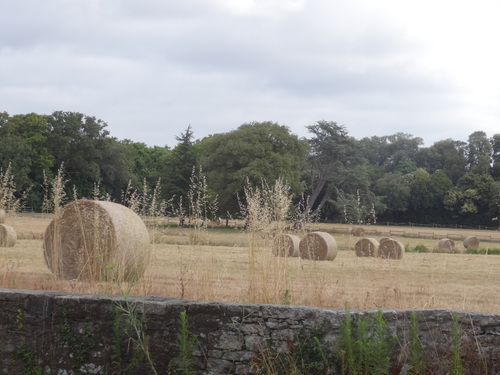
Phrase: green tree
{"type": "Point", "coordinates": [179, 165]}
{"type": "Point", "coordinates": [473, 194]}
{"type": "Point", "coordinates": [333, 155]}
{"type": "Point", "coordinates": [479, 152]}
{"type": "Point", "coordinates": [24, 147]}
{"type": "Point", "coordinates": [495, 169]}
{"type": "Point", "coordinates": [447, 155]}
{"type": "Point", "coordinates": [394, 190]}
{"type": "Point", "coordinates": [255, 151]}
{"type": "Point", "coordinates": [78, 141]}
{"type": "Point", "coordinates": [397, 152]}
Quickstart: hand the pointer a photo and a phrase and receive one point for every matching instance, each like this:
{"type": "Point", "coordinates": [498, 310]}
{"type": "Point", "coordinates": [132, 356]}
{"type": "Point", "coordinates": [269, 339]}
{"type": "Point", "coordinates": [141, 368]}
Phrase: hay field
{"type": "Point", "coordinates": [228, 264]}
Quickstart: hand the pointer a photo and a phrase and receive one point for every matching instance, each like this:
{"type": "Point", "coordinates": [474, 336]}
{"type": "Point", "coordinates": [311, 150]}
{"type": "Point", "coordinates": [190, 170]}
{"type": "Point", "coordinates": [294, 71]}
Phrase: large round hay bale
{"type": "Point", "coordinates": [391, 249]}
{"type": "Point", "coordinates": [286, 245]}
{"type": "Point", "coordinates": [357, 231]}
{"type": "Point", "coordinates": [367, 247]}
{"type": "Point", "coordinates": [318, 246]}
{"type": "Point", "coordinates": [471, 242]}
{"type": "Point", "coordinates": [93, 240]}
{"type": "Point", "coordinates": [447, 245]}
{"type": "Point", "coordinates": [8, 236]}
{"type": "Point", "coordinates": [2, 216]}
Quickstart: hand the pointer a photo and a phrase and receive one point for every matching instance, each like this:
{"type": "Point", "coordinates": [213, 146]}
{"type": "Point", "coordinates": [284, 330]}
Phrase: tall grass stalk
{"type": "Point", "coordinates": [56, 196]}
{"type": "Point", "coordinates": [266, 210]}
{"type": "Point", "coordinates": [416, 356]}
{"type": "Point", "coordinates": [456, 363]}
{"type": "Point", "coordinates": [10, 201]}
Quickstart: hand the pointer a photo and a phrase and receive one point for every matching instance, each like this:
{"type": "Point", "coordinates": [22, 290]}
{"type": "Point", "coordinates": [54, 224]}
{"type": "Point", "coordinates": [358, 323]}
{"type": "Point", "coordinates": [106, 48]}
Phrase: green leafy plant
{"type": "Point", "coordinates": [127, 316]}
{"type": "Point", "coordinates": [305, 356]}
{"type": "Point", "coordinates": [416, 356]}
{"type": "Point", "coordinates": [418, 249]}
{"type": "Point", "coordinates": [456, 363]}
{"type": "Point", "coordinates": [79, 343]}
{"type": "Point", "coordinates": [186, 344]}
{"type": "Point", "coordinates": [367, 348]}
{"type": "Point", "coordinates": [27, 357]}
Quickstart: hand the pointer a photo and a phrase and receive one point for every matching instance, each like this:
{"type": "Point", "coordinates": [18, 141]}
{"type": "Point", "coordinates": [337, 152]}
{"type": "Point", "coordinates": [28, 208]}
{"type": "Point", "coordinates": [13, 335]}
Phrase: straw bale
{"type": "Point", "coordinates": [471, 242]}
{"type": "Point", "coordinates": [8, 236]}
{"type": "Point", "coordinates": [384, 239]}
{"type": "Point", "coordinates": [286, 245]}
{"type": "Point", "coordinates": [357, 231]}
{"type": "Point", "coordinates": [318, 246]}
{"type": "Point", "coordinates": [367, 247]}
{"type": "Point", "coordinates": [445, 244]}
{"type": "Point", "coordinates": [2, 216]}
{"type": "Point", "coordinates": [392, 249]}
{"type": "Point", "coordinates": [94, 240]}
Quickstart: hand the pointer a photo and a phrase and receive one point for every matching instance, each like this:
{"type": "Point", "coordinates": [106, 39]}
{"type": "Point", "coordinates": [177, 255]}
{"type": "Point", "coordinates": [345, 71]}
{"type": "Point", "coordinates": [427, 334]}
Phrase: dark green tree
{"type": "Point", "coordinates": [255, 152]}
{"type": "Point", "coordinates": [479, 152]}
{"type": "Point", "coordinates": [78, 141]}
{"type": "Point", "coordinates": [331, 165]}
{"type": "Point", "coordinates": [447, 155]}
{"type": "Point", "coordinates": [179, 165]}
{"type": "Point", "coordinates": [495, 169]}
{"type": "Point", "coordinates": [394, 191]}
{"type": "Point", "coordinates": [24, 147]}
{"type": "Point", "coordinates": [395, 153]}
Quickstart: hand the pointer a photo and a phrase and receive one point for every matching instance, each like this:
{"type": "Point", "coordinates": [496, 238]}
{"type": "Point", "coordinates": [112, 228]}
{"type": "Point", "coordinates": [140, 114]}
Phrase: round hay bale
{"type": "Point", "coordinates": [318, 246]}
{"type": "Point", "coordinates": [391, 249]}
{"type": "Point", "coordinates": [471, 242]}
{"type": "Point", "coordinates": [383, 239]}
{"type": "Point", "coordinates": [286, 245]}
{"type": "Point", "coordinates": [2, 216]}
{"type": "Point", "coordinates": [8, 236]}
{"type": "Point", "coordinates": [367, 247]}
{"type": "Point", "coordinates": [447, 245]}
{"type": "Point", "coordinates": [93, 241]}
{"type": "Point", "coordinates": [357, 231]}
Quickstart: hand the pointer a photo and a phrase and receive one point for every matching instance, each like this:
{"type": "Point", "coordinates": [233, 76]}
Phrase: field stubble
{"type": "Point", "coordinates": [228, 264]}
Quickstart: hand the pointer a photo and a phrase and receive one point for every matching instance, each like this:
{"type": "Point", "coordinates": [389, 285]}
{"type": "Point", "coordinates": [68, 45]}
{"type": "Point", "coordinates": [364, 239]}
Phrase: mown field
{"type": "Point", "coordinates": [228, 264]}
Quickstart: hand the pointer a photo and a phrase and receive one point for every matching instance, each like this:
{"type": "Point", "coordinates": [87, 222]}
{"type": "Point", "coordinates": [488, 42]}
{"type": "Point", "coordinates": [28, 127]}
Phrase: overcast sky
{"type": "Point", "coordinates": [150, 68]}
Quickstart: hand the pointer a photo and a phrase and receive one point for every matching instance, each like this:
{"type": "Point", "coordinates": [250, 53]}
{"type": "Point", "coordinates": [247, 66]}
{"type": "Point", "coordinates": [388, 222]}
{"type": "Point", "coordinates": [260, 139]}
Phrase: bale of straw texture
{"type": "Point", "coordinates": [445, 244]}
{"type": "Point", "coordinates": [8, 236]}
{"type": "Point", "coordinates": [92, 241]}
{"type": "Point", "coordinates": [286, 245]}
{"type": "Point", "coordinates": [357, 231]}
{"type": "Point", "coordinates": [384, 239]}
{"type": "Point", "coordinates": [367, 247]}
{"type": "Point", "coordinates": [2, 216]}
{"type": "Point", "coordinates": [471, 242]}
{"type": "Point", "coordinates": [391, 249]}
{"type": "Point", "coordinates": [318, 246]}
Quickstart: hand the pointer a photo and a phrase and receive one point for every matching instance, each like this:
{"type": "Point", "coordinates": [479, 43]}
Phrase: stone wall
{"type": "Point", "coordinates": [59, 333]}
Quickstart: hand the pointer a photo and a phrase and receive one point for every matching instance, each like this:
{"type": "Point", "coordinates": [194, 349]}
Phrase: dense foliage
{"type": "Point", "coordinates": [381, 178]}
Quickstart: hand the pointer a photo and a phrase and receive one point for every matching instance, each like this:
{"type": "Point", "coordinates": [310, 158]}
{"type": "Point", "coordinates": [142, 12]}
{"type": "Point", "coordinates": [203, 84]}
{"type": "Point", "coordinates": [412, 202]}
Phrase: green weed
{"type": "Point", "coordinates": [367, 348]}
{"type": "Point", "coordinates": [416, 356]}
{"type": "Point", "coordinates": [456, 363]}
{"type": "Point", "coordinates": [186, 344]}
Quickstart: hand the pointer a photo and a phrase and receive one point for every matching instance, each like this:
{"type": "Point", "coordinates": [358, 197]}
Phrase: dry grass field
{"type": "Point", "coordinates": [229, 264]}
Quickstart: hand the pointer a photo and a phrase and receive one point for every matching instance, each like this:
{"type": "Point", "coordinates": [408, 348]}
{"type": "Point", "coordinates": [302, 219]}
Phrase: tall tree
{"type": "Point", "coordinates": [495, 170]}
{"type": "Point", "coordinates": [333, 154]}
{"type": "Point", "coordinates": [253, 152]}
{"type": "Point", "coordinates": [24, 147]}
{"type": "Point", "coordinates": [78, 141]}
{"type": "Point", "coordinates": [179, 165]}
{"type": "Point", "coordinates": [479, 152]}
{"type": "Point", "coordinates": [447, 155]}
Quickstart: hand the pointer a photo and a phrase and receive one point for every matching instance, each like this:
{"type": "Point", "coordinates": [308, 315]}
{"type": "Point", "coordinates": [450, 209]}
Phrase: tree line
{"type": "Point", "coordinates": [330, 173]}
